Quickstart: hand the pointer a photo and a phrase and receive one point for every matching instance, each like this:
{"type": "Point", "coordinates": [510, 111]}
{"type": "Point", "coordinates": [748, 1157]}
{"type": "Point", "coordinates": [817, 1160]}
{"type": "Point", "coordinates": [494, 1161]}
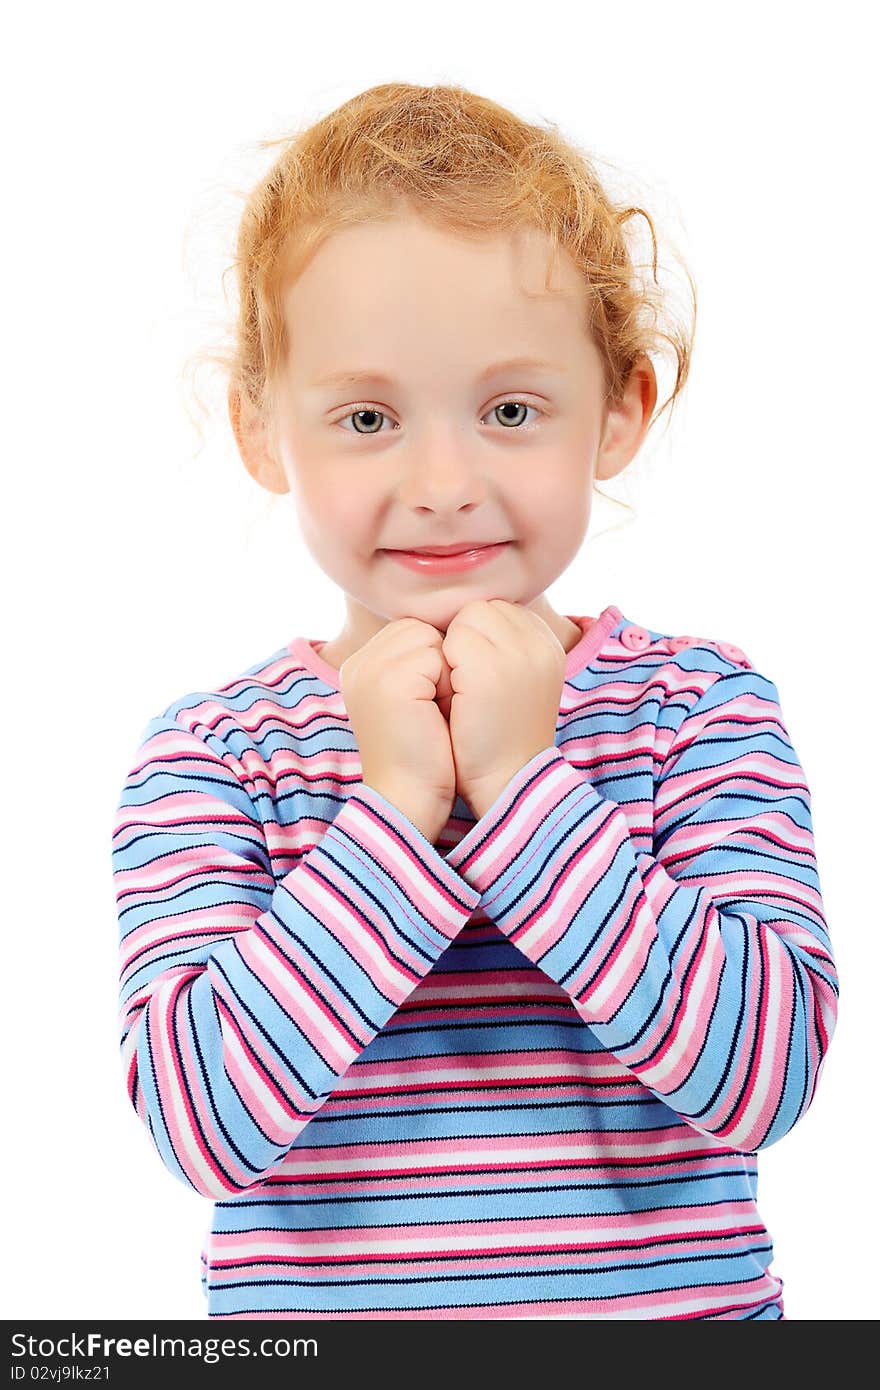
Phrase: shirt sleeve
{"type": "Point", "coordinates": [705, 966]}
{"type": "Point", "coordinates": [244, 1000]}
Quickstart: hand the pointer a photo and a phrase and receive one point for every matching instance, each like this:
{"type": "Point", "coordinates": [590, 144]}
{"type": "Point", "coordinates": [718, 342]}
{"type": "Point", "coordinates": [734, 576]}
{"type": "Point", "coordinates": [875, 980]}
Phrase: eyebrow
{"type": "Point", "coordinates": [381, 379]}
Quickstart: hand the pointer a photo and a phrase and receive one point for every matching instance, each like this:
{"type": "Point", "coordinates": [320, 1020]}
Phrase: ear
{"type": "Point", "coordinates": [627, 420]}
{"type": "Point", "coordinates": [254, 444]}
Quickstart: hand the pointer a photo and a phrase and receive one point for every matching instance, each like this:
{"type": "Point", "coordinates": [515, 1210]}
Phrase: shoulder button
{"type": "Point", "coordinates": [733, 653]}
{"type": "Point", "coordinates": [635, 638]}
{"type": "Point", "coordinates": [727, 649]}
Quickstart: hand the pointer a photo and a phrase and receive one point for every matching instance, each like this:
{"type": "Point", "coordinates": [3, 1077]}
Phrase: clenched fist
{"type": "Point", "coordinates": [397, 692]}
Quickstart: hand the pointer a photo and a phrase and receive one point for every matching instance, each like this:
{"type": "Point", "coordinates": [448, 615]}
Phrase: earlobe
{"type": "Point", "coordinates": [251, 436]}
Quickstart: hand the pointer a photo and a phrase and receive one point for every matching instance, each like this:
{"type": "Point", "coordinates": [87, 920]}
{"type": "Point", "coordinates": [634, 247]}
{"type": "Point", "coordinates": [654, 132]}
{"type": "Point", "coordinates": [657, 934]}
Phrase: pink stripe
{"type": "Point", "coordinates": [217, 1143]}
{"type": "Point", "coordinates": [751, 1038]}
{"type": "Point", "coordinates": [175, 1003]}
{"type": "Point", "coordinates": [671, 1021]}
{"type": "Point", "coordinates": [607, 1170]}
{"type": "Point", "coordinates": [717, 1297]}
{"type": "Point", "coordinates": [353, 928]}
{"type": "Point", "coordinates": [581, 1067]}
{"type": "Point", "coordinates": [144, 949]}
{"type": "Point", "coordinates": [262, 1064]}
{"type": "Point", "coordinates": [779, 986]}
{"type": "Point", "coordinates": [611, 1141]}
{"type": "Point", "coordinates": [371, 834]}
{"type": "Point", "coordinates": [731, 1214]}
{"type": "Point", "coordinates": [299, 971]}
{"type": "Point", "coordinates": [440, 1262]}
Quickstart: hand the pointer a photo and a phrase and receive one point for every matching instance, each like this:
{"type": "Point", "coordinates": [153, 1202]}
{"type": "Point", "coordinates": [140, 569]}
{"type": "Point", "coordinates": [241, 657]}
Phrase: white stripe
{"type": "Point", "coordinates": [255, 1082]}
{"type": "Point", "coordinates": [566, 900]}
{"type": "Point", "coordinates": [296, 999]}
{"type": "Point", "coordinates": [498, 850]}
{"type": "Point", "coordinates": [181, 1132]}
{"type": "Point", "coordinates": [686, 1039]}
{"type": "Point", "coordinates": [643, 928]}
{"type": "Point", "coordinates": [777, 962]}
{"type": "Point", "coordinates": [369, 834]}
{"type": "Point", "coordinates": [312, 894]}
{"type": "Point", "coordinates": [295, 1244]}
{"type": "Point", "coordinates": [539, 1070]}
{"type": "Point", "coordinates": [426, 1162]}
{"type": "Point", "coordinates": [430, 991]}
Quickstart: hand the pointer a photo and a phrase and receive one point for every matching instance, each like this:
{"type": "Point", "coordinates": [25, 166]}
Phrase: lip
{"type": "Point", "coordinates": [455, 549]}
{"type": "Point", "coordinates": [447, 559]}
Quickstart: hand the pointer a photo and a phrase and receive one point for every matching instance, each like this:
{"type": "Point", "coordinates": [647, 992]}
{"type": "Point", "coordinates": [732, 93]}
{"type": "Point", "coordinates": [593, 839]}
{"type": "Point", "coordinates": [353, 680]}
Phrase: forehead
{"type": "Point", "coordinates": [400, 279]}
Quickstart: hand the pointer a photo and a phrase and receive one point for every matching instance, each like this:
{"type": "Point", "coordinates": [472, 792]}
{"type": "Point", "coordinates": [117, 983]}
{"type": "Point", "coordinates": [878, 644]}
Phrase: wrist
{"type": "Point", "coordinates": [482, 794]}
{"type": "Point", "coordinates": [413, 808]}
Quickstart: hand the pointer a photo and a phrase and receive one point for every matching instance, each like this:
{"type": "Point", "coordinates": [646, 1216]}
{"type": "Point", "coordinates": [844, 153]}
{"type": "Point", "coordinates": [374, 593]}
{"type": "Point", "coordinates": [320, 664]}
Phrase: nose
{"type": "Point", "coordinates": [441, 473]}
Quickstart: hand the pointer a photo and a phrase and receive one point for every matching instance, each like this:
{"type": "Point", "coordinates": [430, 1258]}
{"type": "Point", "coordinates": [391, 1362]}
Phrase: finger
{"type": "Point", "coordinates": [445, 707]}
{"type": "Point", "coordinates": [527, 625]}
{"type": "Point", "coordinates": [444, 690]}
{"type": "Point", "coordinates": [476, 617]}
{"type": "Point", "coordinates": [478, 614]}
{"type": "Point", "coordinates": [394, 639]}
{"type": "Point", "coordinates": [466, 643]}
{"type": "Point", "coordinates": [515, 616]}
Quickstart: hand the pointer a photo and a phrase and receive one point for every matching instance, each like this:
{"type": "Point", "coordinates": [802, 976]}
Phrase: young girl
{"type": "Point", "coordinates": [469, 958]}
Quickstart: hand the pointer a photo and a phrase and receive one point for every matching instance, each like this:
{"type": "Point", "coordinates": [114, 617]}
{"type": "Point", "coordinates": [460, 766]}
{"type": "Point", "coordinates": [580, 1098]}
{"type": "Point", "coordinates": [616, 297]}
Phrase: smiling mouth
{"type": "Point", "coordinates": [461, 549]}
{"type": "Point", "coordinates": [450, 561]}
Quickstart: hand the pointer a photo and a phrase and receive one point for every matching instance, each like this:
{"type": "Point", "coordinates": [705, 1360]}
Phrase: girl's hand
{"type": "Point", "coordinates": [507, 672]}
{"type": "Point", "coordinates": [392, 687]}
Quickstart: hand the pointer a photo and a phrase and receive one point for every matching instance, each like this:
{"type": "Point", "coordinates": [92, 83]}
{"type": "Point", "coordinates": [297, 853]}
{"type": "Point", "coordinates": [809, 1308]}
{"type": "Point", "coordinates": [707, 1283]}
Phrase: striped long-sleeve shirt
{"type": "Point", "coordinates": [522, 1072]}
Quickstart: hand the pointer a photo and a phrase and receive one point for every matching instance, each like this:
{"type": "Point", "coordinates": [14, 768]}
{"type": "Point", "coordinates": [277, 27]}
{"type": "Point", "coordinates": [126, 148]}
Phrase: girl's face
{"type": "Point", "coordinates": [434, 395]}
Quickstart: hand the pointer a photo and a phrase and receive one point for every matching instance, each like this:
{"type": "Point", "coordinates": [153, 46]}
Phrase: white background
{"type": "Point", "coordinates": [140, 566]}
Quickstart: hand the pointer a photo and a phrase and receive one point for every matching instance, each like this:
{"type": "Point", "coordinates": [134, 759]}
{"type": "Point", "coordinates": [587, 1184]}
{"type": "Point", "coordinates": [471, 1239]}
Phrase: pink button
{"type": "Point", "coordinates": [636, 638]}
{"type": "Point", "coordinates": [731, 652]}
{"type": "Point", "coordinates": [676, 643]}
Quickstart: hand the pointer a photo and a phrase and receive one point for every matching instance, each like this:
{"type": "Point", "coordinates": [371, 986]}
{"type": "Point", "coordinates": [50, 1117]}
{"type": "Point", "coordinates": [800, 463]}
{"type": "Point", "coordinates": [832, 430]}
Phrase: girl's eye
{"type": "Point", "coordinates": [371, 420]}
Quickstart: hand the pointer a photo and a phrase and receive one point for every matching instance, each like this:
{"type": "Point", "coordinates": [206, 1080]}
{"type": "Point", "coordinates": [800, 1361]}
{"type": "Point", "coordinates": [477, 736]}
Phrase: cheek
{"type": "Point", "coordinates": [334, 517]}
{"type": "Point", "coordinates": [555, 498]}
